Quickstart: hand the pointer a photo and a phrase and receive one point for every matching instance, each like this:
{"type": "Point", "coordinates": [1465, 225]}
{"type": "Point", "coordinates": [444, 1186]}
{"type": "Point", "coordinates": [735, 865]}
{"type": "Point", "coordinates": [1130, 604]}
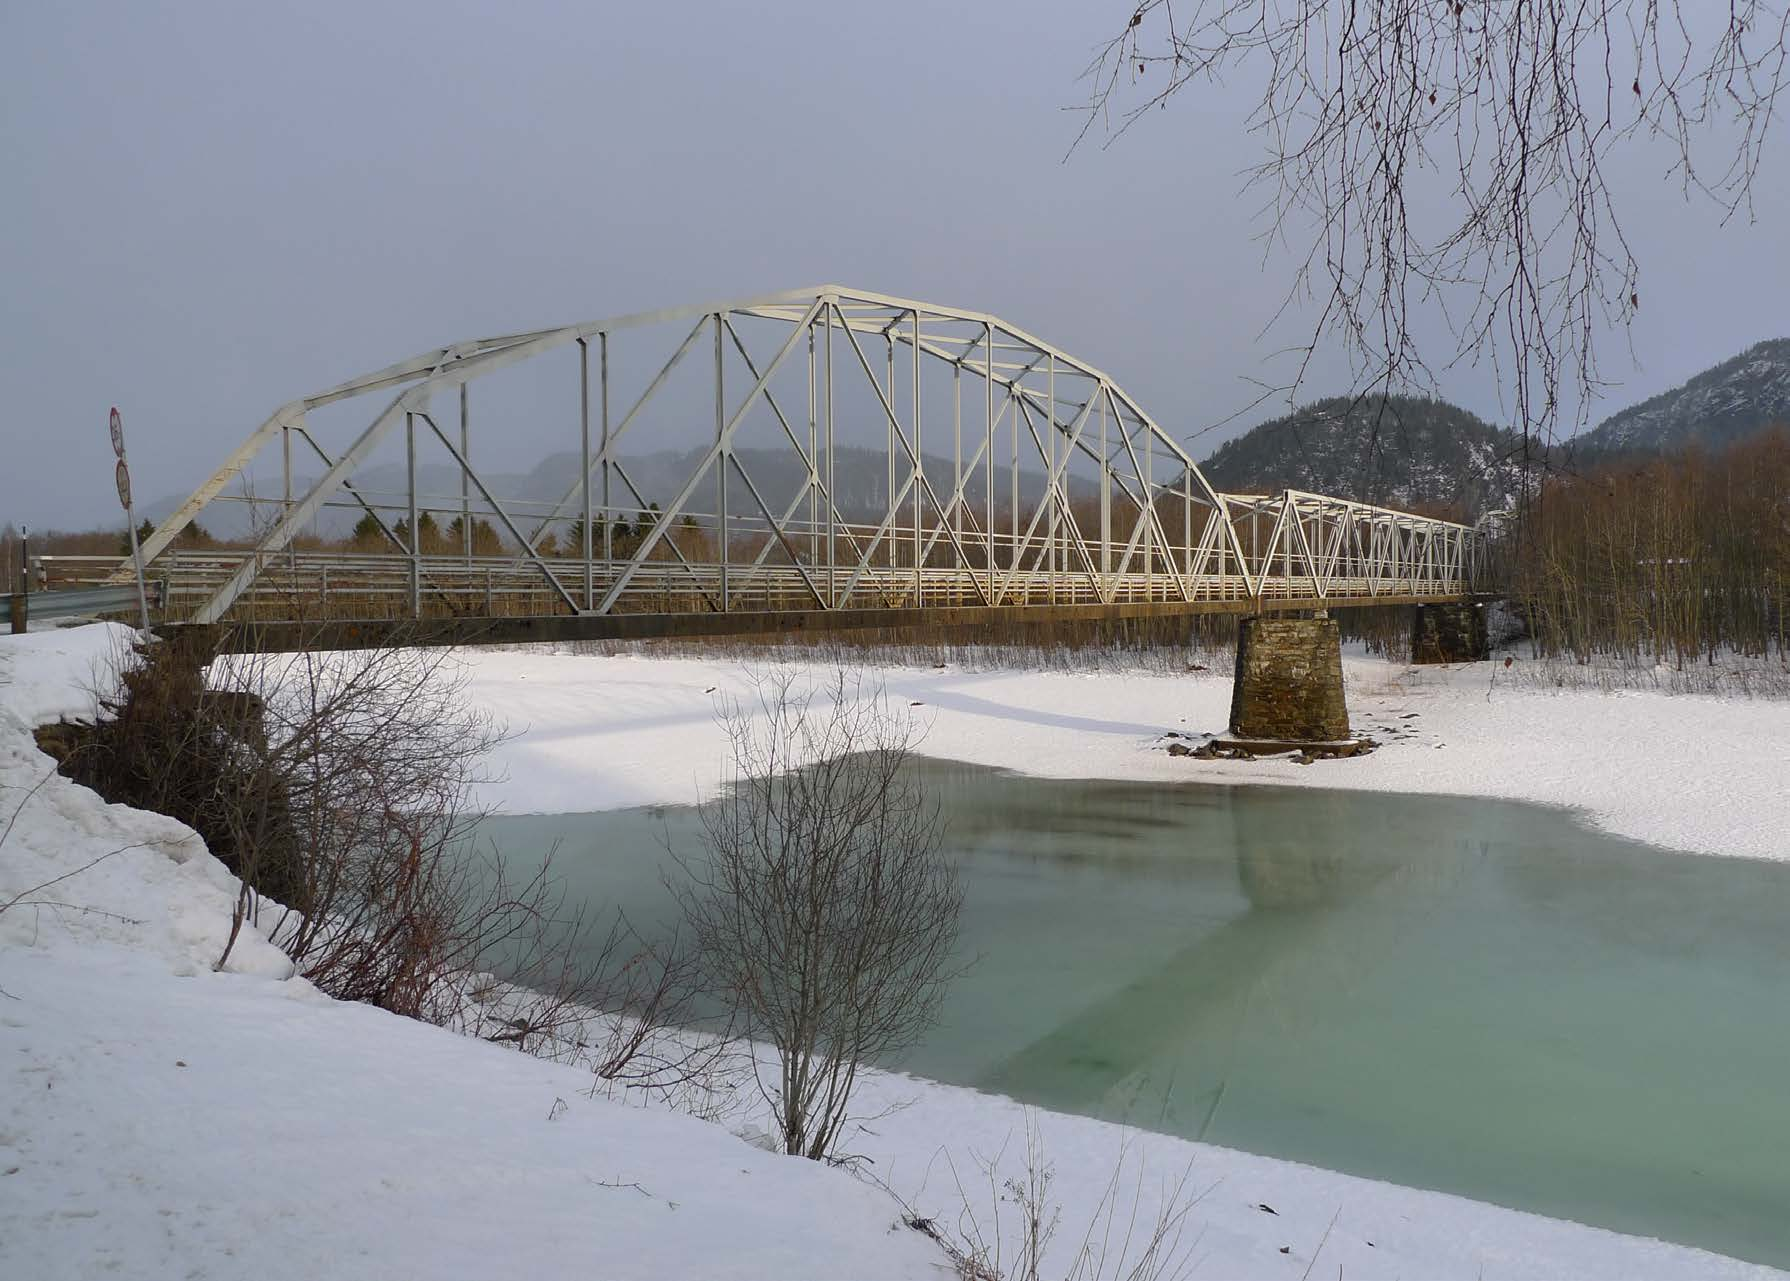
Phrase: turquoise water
{"type": "Point", "coordinates": [1480, 997]}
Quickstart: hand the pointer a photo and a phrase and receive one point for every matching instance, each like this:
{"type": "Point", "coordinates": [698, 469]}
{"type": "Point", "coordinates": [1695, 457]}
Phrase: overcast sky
{"type": "Point", "coordinates": [212, 208]}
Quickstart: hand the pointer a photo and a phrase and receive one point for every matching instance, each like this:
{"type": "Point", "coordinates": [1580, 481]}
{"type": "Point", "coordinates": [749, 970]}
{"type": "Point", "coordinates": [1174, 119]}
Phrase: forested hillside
{"type": "Point", "coordinates": [1401, 451]}
{"type": "Point", "coordinates": [1720, 406]}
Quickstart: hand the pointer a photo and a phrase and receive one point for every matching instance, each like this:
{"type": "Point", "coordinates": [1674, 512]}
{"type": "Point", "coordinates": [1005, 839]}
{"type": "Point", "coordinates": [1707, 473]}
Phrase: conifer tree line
{"type": "Point", "coordinates": [1673, 559]}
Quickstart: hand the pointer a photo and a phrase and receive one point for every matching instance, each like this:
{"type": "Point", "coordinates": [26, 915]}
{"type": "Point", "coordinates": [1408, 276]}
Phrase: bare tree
{"type": "Point", "coordinates": [1455, 152]}
{"type": "Point", "coordinates": [825, 907]}
{"type": "Point", "coordinates": [369, 760]}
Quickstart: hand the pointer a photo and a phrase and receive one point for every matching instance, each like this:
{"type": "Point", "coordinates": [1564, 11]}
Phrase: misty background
{"type": "Point", "coordinates": [212, 209]}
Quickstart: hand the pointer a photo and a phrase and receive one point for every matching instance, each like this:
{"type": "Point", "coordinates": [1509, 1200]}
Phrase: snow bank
{"type": "Point", "coordinates": [1701, 774]}
{"type": "Point", "coordinates": [159, 1119]}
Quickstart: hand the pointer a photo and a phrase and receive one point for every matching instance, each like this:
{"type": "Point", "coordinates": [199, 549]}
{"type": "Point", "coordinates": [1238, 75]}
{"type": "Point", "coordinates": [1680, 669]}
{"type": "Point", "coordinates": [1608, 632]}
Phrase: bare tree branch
{"type": "Point", "coordinates": [1453, 153]}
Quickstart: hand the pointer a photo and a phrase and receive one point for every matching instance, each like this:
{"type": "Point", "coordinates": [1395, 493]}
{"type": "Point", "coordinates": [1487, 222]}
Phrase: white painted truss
{"type": "Point", "coordinates": [1007, 473]}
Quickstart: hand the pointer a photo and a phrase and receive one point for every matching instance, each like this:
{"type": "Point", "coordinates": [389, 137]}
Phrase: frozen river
{"type": "Point", "coordinates": [1475, 996]}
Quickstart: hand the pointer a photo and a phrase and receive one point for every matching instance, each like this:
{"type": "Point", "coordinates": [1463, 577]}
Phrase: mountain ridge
{"type": "Point", "coordinates": [1725, 403]}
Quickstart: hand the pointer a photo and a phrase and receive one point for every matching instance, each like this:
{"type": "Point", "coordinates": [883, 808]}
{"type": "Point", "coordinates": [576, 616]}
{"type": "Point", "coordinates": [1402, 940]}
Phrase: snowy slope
{"type": "Point", "coordinates": [157, 1119]}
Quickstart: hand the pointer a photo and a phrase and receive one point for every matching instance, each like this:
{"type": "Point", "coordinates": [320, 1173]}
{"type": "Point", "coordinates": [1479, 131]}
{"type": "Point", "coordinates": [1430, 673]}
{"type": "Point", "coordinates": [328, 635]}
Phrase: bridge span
{"type": "Point", "coordinates": [818, 458]}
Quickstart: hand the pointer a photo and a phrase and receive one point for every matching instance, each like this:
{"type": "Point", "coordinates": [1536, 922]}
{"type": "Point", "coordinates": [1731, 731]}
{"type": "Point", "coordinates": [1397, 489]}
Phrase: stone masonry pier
{"type": "Point", "coordinates": [1449, 632]}
{"type": "Point", "coordinates": [1288, 684]}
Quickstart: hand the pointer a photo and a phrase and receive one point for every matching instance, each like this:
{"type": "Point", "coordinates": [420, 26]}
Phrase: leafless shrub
{"type": "Point", "coordinates": [340, 789]}
{"type": "Point", "coordinates": [1725, 675]}
{"type": "Point", "coordinates": [1011, 1238]}
{"type": "Point", "coordinates": [824, 907]}
{"type": "Point", "coordinates": [374, 757]}
{"type": "Point", "coordinates": [355, 816]}
{"type": "Point", "coordinates": [622, 1008]}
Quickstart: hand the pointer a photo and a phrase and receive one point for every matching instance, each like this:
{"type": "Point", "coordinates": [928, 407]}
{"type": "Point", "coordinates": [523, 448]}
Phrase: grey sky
{"type": "Point", "coordinates": [211, 208]}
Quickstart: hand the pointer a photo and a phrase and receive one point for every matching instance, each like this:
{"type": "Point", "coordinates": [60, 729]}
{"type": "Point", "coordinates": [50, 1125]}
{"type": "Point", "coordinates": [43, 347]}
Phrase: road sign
{"type": "Point", "coordinates": [122, 474]}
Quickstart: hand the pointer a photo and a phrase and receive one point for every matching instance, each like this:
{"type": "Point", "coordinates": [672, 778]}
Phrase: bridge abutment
{"type": "Point", "coordinates": [1288, 684]}
{"type": "Point", "coordinates": [1449, 632]}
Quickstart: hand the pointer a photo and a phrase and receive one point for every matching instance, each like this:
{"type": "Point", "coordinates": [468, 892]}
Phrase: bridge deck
{"type": "Point", "coordinates": [283, 635]}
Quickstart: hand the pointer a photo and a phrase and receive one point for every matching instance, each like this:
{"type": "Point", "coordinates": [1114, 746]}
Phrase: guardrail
{"type": "Point", "coordinates": [82, 602]}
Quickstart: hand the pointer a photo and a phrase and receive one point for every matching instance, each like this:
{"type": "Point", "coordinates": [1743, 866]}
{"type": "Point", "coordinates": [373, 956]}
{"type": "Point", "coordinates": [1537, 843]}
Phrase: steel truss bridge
{"type": "Point", "coordinates": [847, 459]}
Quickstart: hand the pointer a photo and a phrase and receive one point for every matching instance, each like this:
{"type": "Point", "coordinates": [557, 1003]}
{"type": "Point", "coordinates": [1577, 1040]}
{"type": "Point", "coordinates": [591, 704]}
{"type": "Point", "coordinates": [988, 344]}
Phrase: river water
{"type": "Point", "coordinates": [1475, 996]}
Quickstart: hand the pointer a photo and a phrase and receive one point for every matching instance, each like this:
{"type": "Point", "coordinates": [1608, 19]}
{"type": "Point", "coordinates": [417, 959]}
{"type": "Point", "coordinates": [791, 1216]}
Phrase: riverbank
{"type": "Point", "coordinates": [1690, 772]}
{"type": "Point", "coordinates": [160, 1119]}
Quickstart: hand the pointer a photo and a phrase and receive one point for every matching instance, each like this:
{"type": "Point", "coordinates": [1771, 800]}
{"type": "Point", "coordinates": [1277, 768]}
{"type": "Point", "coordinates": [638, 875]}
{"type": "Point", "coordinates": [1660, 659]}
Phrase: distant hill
{"type": "Point", "coordinates": [1718, 407]}
{"type": "Point", "coordinates": [859, 479]}
{"type": "Point", "coordinates": [1398, 451]}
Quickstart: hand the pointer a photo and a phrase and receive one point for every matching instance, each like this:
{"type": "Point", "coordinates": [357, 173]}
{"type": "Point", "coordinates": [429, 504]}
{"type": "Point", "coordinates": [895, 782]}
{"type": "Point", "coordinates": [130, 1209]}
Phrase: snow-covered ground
{"type": "Point", "coordinates": [158, 1119]}
{"type": "Point", "coordinates": [1695, 773]}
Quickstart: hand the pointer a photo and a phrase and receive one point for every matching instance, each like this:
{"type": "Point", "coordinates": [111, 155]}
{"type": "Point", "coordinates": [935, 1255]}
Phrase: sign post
{"type": "Point", "coordinates": [19, 601]}
{"type": "Point", "coordinates": [123, 477]}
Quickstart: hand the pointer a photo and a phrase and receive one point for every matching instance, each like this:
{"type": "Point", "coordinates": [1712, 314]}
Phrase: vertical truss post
{"type": "Point", "coordinates": [1106, 493]}
{"type": "Point", "coordinates": [416, 544]}
{"type": "Point", "coordinates": [988, 456]}
{"type": "Point", "coordinates": [813, 463]}
{"type": "Point", "coordinates": [720, 461]}
{"type": "Point", "coordinates": [1187, 529]}
{"type": "Point", "coordinates": [285, 502]}
{"type": "Point", "coordinates": [465, 482]}
{"type": "Point", "coordinates": [603, 404]}
{"type": "Point", "coordinates": [832, 507]}
{"type": "Point", "coordinates": [889, 437]}
{"type": "Point", "coordinates": [1050, 473]}
{"type": "Point", "coordinates": [1255, 545]}
{"type": "Point", "coordinates": [1149, 479]}
{"type": "Point", "coordinates": [919, 460]}
{"type": "Point", "coordinates": [584, 466]}
{"type": "Point", "coordinates": [957, 474]}
{"type": "Point", "coordinates": [1013, 484]}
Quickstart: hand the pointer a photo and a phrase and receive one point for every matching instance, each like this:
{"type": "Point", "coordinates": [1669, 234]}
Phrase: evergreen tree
{"type": "Point", "coordinates": [143, 532]}
{"type": "Point", "coordinates": [428, 533]}
{"type": "Point", "coordinates": [366, 535]}
{"type": "Point", "coordinates": [574, 541]}
{"type": "Point", "coordinates": [485, 541]}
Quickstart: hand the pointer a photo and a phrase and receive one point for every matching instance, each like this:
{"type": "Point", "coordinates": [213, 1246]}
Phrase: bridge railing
{"type": "Point", "coordinates": [1278, 538]}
